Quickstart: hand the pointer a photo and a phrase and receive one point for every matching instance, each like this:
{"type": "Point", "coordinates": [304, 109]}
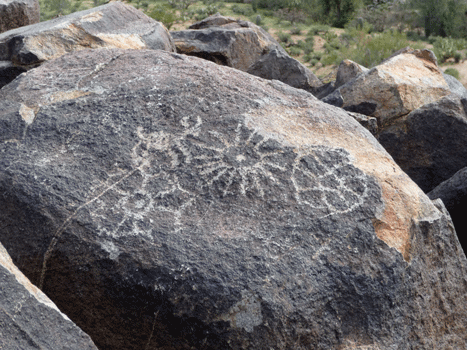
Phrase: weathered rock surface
{"type": "Point", "coordinates": [394, 88]}
{"type": "Point", "coordinates": [278, 65]}
{"type": "Point", "coordinates": [347, 71]}
{"type": "Point", "coordinates": [165, 202]}
{"type": "Point", "coordinates": [453, 193]}
{"type": "Point", "coordinates": [455, 85]}
{"type": "Point", "coordinates": [18, 13]}
{"type": "Point", "coordinates": [369, 123]}
{"type": "Point", "coordinates": [29, 319]}
{"type": "Point", "coordinates": [9, 71]}
{"type": "Point", "coordinates": [244, 46]}
{"type": "Point", "coordinates": [429, 143]}
{"type": "Point", "coordinates": [114, 25]}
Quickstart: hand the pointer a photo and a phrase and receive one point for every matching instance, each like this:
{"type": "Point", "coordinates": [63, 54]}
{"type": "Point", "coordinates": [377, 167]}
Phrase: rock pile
{"type": "Point", "coordinates": [245, 46]}
{"type": "Point", "coordinates": [421, 113]}
{"type": "Point", "coordinates": [166, 202]}
{"type": "Point", "coordinates": [114, 25]}
{"type": "Point", "coordinates": [394, 88]}
{"type": "Point", "coordinates": [181, 204]}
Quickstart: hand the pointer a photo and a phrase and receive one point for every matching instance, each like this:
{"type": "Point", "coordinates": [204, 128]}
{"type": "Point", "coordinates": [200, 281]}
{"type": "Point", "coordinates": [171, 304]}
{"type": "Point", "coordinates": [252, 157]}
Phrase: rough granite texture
{"type": "Point", "coordinates": [165, 202]}
{"type": "Point", "coordinates": [347, 71]}
{"type": "Point", "coordinates": [114, 25]}
{"type": "Point", "coordinates": [453, 193]}
{"type": "Point", "coordinates": [29, 320]}
{"type": "Point", "coordinates": [429, 143]}
{"type": "Point", "coordinates": [245, 46]}
{"type": "Point", "coordinates": [393, 88]}
{"type": "Point", "coordinates": [18, 13]}
{"type": "Point", "coordinates": [455, 86]}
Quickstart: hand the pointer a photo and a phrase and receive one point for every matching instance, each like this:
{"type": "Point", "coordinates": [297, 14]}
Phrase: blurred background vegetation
{"type": "Point", "coordinates": [321, 33]}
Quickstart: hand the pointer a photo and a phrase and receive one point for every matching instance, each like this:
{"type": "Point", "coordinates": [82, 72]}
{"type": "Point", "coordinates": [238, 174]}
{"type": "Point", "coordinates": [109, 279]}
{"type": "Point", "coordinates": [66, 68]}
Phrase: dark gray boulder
{"type": "Point", "coordinates": [18, 13]}
{"type": "Point", "coordinates": [244, 46]}
{"type": "Point", "coordinates": [455, 85]}
{"type": "Point", "coordinates": [165, 202]}
{"type": "Point", "coordinates": [9, 71]}
{"type": "Point", "coordinates": [29, 319]}
{"type": "Point", "coordinates": [278, 65]}
{"type": "Point", "coordinates": [347, 71]}
{"type": "Point", "coordinates": [369, 123]}
{"type": "Point", "coordinates": [453, 193]}
{"type": "Point", "coordinates": [429, 143]}
{"type": "Point", "coordinates": [114, 25]}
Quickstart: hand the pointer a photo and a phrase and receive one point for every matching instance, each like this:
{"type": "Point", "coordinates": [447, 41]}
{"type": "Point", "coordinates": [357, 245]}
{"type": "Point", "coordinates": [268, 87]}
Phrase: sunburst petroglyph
{"type": "Point", "coordinates": [222, 160]}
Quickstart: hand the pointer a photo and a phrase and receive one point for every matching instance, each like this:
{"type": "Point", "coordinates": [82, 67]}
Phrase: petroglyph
{"type": "Point", "coordinates": [224, 160]}
{"type": "Point", "coordinates": [325, 180]}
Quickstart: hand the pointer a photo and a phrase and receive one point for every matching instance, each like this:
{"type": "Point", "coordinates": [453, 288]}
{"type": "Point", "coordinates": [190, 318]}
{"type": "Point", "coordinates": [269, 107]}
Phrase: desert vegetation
{"type": "Point", "coordinates": [320, 33]}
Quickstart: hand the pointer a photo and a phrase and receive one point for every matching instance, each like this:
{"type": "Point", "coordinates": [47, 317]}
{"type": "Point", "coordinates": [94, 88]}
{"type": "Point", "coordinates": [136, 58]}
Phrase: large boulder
{"type": "Point", "coordinates": [165, 202]}
{"type": "Point", "coordinates": [347, 71]}
{"type": "Point", "coordinates": [455, 85]}
{"type": "Point", "coordinates": [29, 319]}
{"type": "Point", "coordinates": [278, 65]}
{"type": "Point", "coordinates": [114, 25]}
{"type": "Point", "coordinates": [244, 46]}
{"type": "Point", "coordinates": [18, 13]}
{"type": "Point", "coordinates": [453, 193]}
{"type": "Point", "coordinates": [429, 143]}
{"type": "Point", "coordinates": [394, 88]}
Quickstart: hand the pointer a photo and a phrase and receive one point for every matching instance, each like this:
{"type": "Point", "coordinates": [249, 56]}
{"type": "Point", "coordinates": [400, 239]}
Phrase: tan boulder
{"type": "Point", "coordinates": [114, 25]}
{"type": "Point", "coordinates": [394, 88]}
{"type": "Point", "coordinates": [18, 13]}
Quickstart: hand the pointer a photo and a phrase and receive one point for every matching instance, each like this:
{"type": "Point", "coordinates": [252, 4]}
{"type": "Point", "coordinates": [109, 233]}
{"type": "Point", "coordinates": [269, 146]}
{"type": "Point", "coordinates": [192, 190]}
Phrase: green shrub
{"type": "Point", "coordinates": [372, 50]}
{"type": "Point", "coordinates": [295, 51]}
{"type": "Point", "coordinates": [332, 58]}
{"type": "Point", "coordinates": [258, 20]}
{"type": "Point", "coordinates": [318, 28]}
{"type": "Point", "coordinates": [452, 71]}
{"type": "Point", "coordinates": [284, 37]}
{"type": "Point", "coordinates": [314, 62]}
{"type": "Point", "coordinates": [329, 36]}
{"type": "Point", "coordinates": [310, 40]}
{"type": "Point", "coordinates": [181, 4]}
{"type": "Point", "coordinates": [307, 58]}
{"type": "Point", "coordinates": [164, 15]}
{"type": "Point", "coordinates": [291, 15]}
{"type": "Point", "coordinates": [306, 46]}
{"type": "Point", "coordinates": [445, 48]}
{"type": "Point", "coordinates": [241, 9]}
{"type": "Point", "coordinates": [295, 31]}
{"type": "Point", "coordinates": [318, 55]}
{"type": "Point", "coordinates": [442, 17]}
